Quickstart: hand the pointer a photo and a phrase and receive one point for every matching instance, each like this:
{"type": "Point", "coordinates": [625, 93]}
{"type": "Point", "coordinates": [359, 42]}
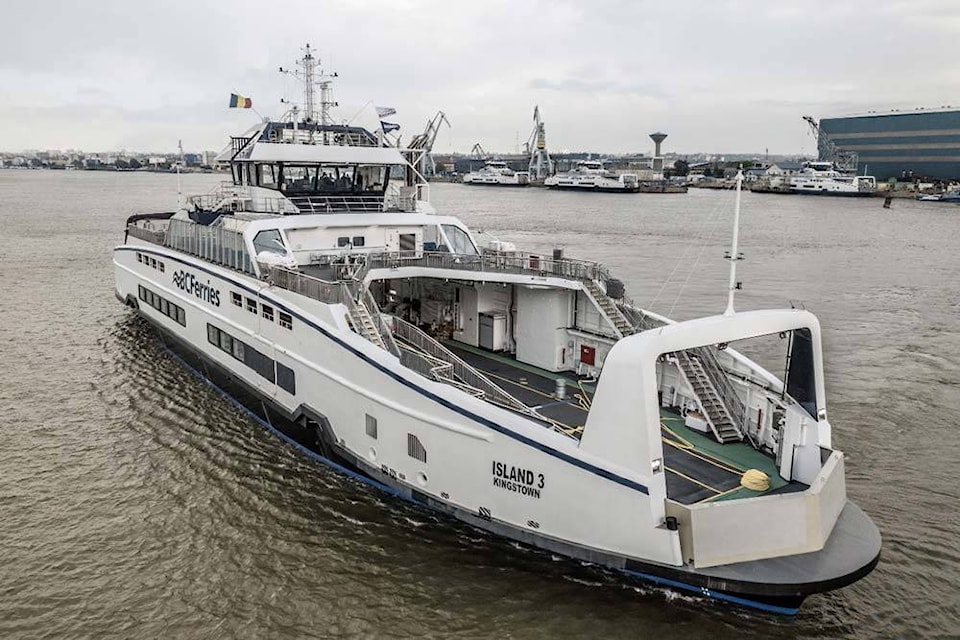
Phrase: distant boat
{"type": "Point", "coordinates": [821, 178]}
{"type": "Point", "coordinates": [949, 196]}
{"type": "Point", "coordinates": [590, 175]}
{"type": "Point", "coordinates": [496, 173]}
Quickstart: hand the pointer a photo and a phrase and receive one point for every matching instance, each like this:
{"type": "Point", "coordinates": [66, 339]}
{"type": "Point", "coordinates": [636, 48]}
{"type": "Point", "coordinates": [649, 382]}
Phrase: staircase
{"type": "Point", "coordinates": [722, 423]}
{"type": "Point", "coordinates": [609, 309]}
{"type": "Point", "coordinates": [719, 401]}
{"type": "Point", "coordinates": [364, 325]}
{"type": "Point", "coordinates": [365, 317]}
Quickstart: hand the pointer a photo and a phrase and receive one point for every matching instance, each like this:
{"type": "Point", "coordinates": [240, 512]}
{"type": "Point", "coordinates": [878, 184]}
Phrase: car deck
{"type": "Point", "coordinates": [699, 469]}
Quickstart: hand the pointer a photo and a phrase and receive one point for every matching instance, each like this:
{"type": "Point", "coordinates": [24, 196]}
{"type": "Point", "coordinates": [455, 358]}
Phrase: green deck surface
{"type": "Point", "coordinates": [738, 455]}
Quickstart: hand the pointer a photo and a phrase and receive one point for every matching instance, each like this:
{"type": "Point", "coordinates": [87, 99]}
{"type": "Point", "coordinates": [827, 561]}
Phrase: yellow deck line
{"type": "Point", "coordinates": [715, 462]}
{"type": "Point", "coordinates": [683, 475]}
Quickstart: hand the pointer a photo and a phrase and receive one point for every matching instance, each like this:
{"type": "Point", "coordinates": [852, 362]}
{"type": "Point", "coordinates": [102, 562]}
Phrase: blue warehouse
{"type": "Point", "coordinates": [901, 145]}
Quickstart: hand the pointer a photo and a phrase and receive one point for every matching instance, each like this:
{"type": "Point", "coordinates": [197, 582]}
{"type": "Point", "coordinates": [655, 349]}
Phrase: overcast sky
{"type": "Point", "coordinates": [717, 76]}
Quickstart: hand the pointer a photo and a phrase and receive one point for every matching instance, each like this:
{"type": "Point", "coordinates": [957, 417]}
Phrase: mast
{"type": "Point", "coordinates": [308, 64]}
{"type": "Point", "coordinates": [733, 255]}
{"type": "Point", "coordinates": [312, 75]}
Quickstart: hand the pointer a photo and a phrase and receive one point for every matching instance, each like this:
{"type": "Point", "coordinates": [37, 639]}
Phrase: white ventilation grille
{"type": "Point", "coordinates": [371, 426]}
{"type": "Point", "coordinates": [415, 449]}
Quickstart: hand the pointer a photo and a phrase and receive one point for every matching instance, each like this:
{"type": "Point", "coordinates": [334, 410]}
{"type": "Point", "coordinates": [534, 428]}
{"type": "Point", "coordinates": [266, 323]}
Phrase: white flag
{"type": "Point", "coordinates": [383, 112]}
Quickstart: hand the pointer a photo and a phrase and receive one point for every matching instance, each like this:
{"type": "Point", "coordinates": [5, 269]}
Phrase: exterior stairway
{"type": "Point", "coordinates": [364, 325]}
{"type": "Point", "coordinates": [365, 317]}
{"type": "Point", "coordinates": [609, 309]}
{"type": "Point", "coordinates": [722, 423]}
{"type": "Point", "coordinates": [721, 406]}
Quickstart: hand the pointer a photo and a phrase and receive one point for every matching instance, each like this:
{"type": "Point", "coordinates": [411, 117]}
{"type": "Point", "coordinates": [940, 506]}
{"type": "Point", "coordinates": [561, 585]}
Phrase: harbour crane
{"type": "Point", "coordinates": [541, 166]}
{"type": "Point", "coordinates": [422, 144]}
{"type": "Point", "coordinates": [827, 150]}
{"type": "Point", "coordinates": [478, 153]}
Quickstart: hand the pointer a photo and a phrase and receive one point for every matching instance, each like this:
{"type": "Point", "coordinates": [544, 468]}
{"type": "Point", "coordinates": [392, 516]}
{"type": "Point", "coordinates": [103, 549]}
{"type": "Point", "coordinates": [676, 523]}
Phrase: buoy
{"type": "Point", "coordinates": [755, 480]}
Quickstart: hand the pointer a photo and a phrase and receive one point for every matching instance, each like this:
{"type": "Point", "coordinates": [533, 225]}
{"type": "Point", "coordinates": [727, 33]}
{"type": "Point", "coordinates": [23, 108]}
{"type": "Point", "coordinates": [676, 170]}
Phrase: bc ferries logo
{"type": "Point", "coordinates": [191, 284]}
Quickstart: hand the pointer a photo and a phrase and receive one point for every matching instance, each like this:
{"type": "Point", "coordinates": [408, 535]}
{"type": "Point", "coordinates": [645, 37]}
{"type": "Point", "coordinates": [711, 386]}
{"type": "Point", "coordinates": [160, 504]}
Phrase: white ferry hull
{"type": "Point", "coordinates": [477, 462]}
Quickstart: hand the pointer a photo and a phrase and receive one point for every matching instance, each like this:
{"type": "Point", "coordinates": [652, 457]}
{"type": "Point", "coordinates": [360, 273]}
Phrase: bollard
{"type": "Point", "coordinates": [561, 392]}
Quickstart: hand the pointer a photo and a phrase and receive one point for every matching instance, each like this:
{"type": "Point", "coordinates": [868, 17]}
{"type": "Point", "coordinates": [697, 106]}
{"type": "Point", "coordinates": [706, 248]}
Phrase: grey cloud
{"type": "Point", "coordinates": [722, 75]}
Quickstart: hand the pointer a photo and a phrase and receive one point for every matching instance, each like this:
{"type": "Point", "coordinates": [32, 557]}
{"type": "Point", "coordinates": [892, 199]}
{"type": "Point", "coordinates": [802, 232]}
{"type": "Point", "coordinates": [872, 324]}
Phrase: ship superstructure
{"type": "Point", "coordinates": [522, 393]}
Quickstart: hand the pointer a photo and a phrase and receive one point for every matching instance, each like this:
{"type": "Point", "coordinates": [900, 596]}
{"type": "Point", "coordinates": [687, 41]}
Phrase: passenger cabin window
{"type": "Point", "coordinates": [458, 240]}
{"type": "Point", "coordinates": [269, 240]}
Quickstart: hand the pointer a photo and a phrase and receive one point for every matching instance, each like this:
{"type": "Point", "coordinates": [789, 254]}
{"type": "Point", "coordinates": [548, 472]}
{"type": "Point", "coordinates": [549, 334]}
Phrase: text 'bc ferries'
{"type": "Point", "coordinates": [523, 394]}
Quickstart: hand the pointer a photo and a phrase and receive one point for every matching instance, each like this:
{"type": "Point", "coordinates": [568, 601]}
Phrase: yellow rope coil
{"type": "Point", "coordinates": [755, 480]}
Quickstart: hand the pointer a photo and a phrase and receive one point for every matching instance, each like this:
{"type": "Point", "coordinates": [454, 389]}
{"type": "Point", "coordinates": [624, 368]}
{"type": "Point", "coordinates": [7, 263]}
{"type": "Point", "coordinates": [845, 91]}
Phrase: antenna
{"type": "Point", "coordinates": [733, 255]}
{"type": "Point", "coordinates": [311, 75]}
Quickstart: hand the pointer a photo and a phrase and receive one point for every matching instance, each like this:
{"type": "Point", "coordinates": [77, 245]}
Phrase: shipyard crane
{"type": "Point", "coordinates": [478, 153]}
{"type": "Point", "coordinates": [422, 144]}
{"type": "Point", "coordinates": [827, 150]}
{"type": "Point", "coordinates": [541, 166]}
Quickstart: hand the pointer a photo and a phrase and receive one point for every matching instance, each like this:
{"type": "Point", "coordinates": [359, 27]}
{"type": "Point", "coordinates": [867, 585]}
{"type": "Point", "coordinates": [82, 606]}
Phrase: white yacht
{"type": "Point", "coordinates": [821, 178]}
{"type": "Point", "coordinates": [521, 393]}
{"type": "Point", "coordinates": [497, 173]}
{"type": "Point", "coordinates": [590, 175]}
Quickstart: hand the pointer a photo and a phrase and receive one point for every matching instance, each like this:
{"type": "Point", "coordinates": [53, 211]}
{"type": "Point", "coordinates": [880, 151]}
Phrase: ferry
{"type": "Point", "coordinates": [496, 173]}
{"type": "Point", "coordinates": [521, 393]}
{"type": "Point", "coordinates": [821, 178]}
{"type": "Point", "coordinates": [590, 175]}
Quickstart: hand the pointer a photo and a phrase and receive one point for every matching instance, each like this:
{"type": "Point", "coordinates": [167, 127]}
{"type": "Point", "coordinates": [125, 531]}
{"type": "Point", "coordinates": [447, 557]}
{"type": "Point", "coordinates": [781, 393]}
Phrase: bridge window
{"type": "Point", "coordinates": [267, 176]}
{"type": "Point", "coordinates": [270, 241]}
{"type": "Point", "coordinates": [298, 179]}
{"type": "Point", "coordinates": [458, 241]}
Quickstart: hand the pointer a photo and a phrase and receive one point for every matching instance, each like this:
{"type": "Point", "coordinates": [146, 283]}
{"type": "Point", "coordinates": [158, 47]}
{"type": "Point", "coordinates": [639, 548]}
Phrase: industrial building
{"type": "Point", "coordinates": [905, 145]}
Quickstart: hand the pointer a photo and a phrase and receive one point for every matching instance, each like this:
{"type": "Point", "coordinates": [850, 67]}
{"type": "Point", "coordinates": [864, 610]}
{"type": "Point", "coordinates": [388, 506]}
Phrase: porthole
{"type": "Point", "coordinates": [372, 454]}
{"type": "Point", "coordinates": [421, 478]}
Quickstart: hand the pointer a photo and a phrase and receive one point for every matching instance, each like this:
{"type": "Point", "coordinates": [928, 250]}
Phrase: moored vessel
{"type": "Point", "coordinates": [821, 178]}
{"type": "Point", "coordinates": [496, 173]}
{"type": "Point", "coordinates": [590, 175]}
{"type": "Point", "coordinates": [524, 394]}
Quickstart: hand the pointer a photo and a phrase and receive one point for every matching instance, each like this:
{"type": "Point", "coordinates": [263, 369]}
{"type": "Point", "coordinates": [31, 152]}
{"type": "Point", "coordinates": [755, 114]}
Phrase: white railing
{"type": "Point", "coordinates": [488, 261]}
{"type": "Point", "coordinates": [460, 369]}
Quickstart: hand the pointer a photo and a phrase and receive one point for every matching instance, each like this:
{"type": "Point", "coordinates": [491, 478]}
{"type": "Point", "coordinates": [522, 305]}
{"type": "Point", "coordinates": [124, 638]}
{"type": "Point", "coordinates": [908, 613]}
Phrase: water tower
{"type": "Point", "coordinates": [657, 158]}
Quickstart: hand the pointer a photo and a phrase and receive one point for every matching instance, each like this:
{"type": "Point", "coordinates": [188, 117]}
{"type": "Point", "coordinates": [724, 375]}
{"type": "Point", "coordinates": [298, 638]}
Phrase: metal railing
{"type": "Point", "coordinates": [149, 235]}
{"type": "Point", "coordinates": [517, 263]}
{"type": "Point", "coordinates": [215, 244]}
{"type": "Point", "coordinates": [299, 282]}
{"type": "Point", "coordinates": [338, 203]}
{"type": "Point", "coordinates": [723, 386]}
{"type": "Point", "coordinates": [383, 327]}
{"type": "Point", "coordinates": [461, 370]}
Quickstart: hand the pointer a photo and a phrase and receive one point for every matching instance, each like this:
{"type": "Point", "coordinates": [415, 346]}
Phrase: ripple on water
{"type": "Point", "coordinates": [139, 503]}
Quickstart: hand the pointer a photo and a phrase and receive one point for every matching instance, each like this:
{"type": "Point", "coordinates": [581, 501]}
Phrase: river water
{"type": "Point", "coordinates": [136, 502]}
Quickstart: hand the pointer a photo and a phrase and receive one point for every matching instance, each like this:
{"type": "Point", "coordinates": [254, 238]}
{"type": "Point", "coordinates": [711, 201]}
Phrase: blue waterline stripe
{"type": "Point", "coordinates": [703, 591]}
{"type": "Point", "coordinates": [586, 466]}
{"type": "Point", "coordinates": [665, 582]}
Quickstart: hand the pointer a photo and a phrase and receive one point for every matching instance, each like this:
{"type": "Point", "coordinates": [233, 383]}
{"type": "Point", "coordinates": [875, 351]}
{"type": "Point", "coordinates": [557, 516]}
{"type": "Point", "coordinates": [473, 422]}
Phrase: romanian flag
{"type": "Point", "coordinates": [239, 102]}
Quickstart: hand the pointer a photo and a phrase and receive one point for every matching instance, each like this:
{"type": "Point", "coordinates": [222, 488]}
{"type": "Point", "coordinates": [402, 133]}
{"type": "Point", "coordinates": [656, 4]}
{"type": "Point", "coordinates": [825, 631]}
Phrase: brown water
{"type": "Point", "coordinates": [136, 502]}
